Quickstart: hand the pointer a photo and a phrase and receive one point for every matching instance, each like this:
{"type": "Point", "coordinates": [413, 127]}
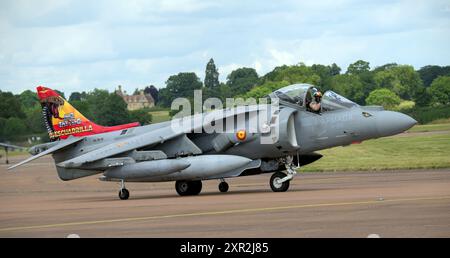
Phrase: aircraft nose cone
{"type": "Point", "coordinates": [391, 123]}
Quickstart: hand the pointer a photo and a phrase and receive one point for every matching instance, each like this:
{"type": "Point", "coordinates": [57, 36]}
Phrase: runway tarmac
{"type": "Point", "coordinates": [414, 203]}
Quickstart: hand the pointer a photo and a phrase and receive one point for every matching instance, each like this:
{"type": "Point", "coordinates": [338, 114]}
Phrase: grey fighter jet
{"type": "Point", "coordinates": [9, 147]}
{"type": "Point", "coordinates": [298, 121]}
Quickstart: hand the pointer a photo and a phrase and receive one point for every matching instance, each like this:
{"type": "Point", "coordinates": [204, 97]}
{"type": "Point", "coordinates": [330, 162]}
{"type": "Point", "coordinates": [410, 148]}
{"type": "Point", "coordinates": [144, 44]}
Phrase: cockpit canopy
{"type": "Point", "coordinates": [302, 94]}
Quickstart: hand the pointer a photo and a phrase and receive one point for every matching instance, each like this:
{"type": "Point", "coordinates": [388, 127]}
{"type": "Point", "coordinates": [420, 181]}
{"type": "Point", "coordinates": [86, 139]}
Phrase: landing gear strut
{"type": "Point", "coordinates": [223, 186]}
{"type": "Point", "coordinates": [6, 155]}
{"type": "Point", "coordinates": [279, 181]}
{"type": "Point", "coordinates": [185, 188]}
{"type": "Point", "coordinates": [124, 194]}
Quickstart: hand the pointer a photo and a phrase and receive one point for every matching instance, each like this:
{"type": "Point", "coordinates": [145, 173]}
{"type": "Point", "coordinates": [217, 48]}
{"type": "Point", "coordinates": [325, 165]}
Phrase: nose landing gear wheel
{"type": "Point", "coordinates": [124, 194]}
{"type": "Point", "coordinates": [276, 185]}
{"type": "Point", "coordinates": [223, 187]}
{"type": "Point", "coordinates": [185, 188]}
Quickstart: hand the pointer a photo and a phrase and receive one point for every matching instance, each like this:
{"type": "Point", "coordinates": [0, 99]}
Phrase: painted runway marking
{"type": "Point", "coordinates": [319, 205]}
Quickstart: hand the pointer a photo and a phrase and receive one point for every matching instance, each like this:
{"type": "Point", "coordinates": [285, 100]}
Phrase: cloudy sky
{"type": "Point", "coordinates": [76, 45]}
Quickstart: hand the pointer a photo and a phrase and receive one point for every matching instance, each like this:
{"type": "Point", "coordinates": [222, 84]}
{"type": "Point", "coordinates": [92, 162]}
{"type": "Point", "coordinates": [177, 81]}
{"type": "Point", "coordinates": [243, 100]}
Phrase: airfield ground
{"type": "Point", "coordinates": [390, 203]}
{"type": "Point", "coordinates": [402, 203]}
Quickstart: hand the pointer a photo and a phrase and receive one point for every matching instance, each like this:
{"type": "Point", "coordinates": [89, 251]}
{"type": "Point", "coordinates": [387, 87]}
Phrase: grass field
{"type": "Point", "coordinates": [160, 116]}
{"type": "Point", "coordinates": [428, 146]}
{"type": "Point", "coordinates": [11, 153]}
{"type": "Point", "coordinates": [430, 128]}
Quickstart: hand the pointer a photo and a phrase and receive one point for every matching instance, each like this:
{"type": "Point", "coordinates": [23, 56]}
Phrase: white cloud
{"type": "Point", "coordinates": [79, 45]}
{"type": "Point", "coordinates": [225, 70]}
{"type": "Point", "coordinates": [185, 6]}
{"type": "Point", "coordinates": [258, 66]}
{"type": "Point", "coordinates": [55, 45]}
{"type": "Point", "coordinates": [140, 65]}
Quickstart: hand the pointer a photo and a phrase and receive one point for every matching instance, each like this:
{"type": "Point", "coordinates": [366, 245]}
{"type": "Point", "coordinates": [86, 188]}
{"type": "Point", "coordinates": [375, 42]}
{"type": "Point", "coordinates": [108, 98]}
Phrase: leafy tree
{"type": "Point", "coordinates": [114, 112]}
{"type": "Point", "coordinates": [423, 97]}
{"type": "Point", "coordinates": [14, 127]}
{"type": "Point", "coordinates": [165, 97]}
{"type": "Point", "coordinates": [141, 115]}
{"type": "Point", "coordinates": [180, 85]}
{"type": "Point", "coordinates": [402, 79]}
{"type": "Point", "coordinates": [211, 92]}
{"type": "Point", "coordinates": [34, 121]}
{"type": "Point", "coordinates": [350, 86]}
{"type": "Point", "coordinates": [405, 105]}
{"type": "Point", "coordinates": [383, 97]}
{"type": "Point", "coordinates": [60, 93]}
{"type": "Point", "coordinates": [242, 80]}
{"type": "Point", "coordinates": [211, 75]}
{"type": "Point", "coordinates": [225, 91]}
{"type": "Point", "coordinates": [2, 127]}
{"type": "Point", "coordinates": [385, 67]}
{"type": "Point", "coordinates": [430, 72]}
{"type": "Point", "coordinates": [440, 90]}
{"type": "Point", "coordinates": [325, 74]}
{"type": "Point", "coordinates": [335, 69]}
{"type": "Point", "coordinates": [75, 96]}
{"type": "Point", "coordinates": [83, 107]}
{"type": "Point", "coordinates": [152, 90]}
{"type": "Point", "coordinates": [108, 108]}
{"type": "Point", "coordinates": [28, 99]}
{"type": "Point", "coordinates": [265, 89]}
{"type": "Point", "coordinates": [293, 74]}
{"type": "Point", "coordinates": [358, 67]}
{"type": "Point", "coordinates": [10, 106]}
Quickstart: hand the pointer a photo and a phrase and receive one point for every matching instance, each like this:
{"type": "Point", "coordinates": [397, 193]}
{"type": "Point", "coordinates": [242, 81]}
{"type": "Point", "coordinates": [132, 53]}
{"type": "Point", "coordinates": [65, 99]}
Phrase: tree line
{"type": "Point", "coordinates": [394, 86]}
{"type": "Point", "coordinates": [21, 115]}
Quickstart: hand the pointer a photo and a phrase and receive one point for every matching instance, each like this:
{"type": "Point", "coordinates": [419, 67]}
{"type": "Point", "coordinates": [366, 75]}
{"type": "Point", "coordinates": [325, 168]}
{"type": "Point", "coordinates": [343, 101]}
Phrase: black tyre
{"type": "Point", "coordinates": [196, 187]}
{"type": "Point", "coordinates": [223, 187]}
{"type": "Point", "coordinates": [278, 187]}
{"type": "Point", "coordinates": [185, 188]}
{"type": "Point", "coordinates": [124, 194]}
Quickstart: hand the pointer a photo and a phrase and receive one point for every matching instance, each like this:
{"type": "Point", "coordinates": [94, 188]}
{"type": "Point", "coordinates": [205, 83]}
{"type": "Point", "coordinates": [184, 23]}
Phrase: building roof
{"type": "Point", "coordinates": [139, 98]}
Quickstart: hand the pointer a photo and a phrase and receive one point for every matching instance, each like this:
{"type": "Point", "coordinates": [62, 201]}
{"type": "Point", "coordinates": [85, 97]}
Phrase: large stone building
{"type": "Point", "coordinates": [138, 101]}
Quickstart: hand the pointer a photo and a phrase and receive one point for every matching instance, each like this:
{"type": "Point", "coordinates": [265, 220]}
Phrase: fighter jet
{"type": "Point", "coordinates": [186, 151]}
{"type": "Point", "coordinates": [10, 147]}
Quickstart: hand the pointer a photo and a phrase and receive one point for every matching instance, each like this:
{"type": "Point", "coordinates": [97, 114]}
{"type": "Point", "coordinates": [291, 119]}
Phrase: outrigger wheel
{"type": "Point", "coordinates": [124, 194]}
{"type": "Point", "coordinates": [276, 185]}
{"type": "Point", "coordinates": [223, 187]}
{"type": "Point", "coordinates": [185, 188]}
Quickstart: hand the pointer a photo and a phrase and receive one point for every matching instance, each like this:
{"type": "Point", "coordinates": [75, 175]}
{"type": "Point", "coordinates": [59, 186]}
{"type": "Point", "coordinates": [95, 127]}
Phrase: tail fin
{"type": "Point", "coordinates": [62, 119]}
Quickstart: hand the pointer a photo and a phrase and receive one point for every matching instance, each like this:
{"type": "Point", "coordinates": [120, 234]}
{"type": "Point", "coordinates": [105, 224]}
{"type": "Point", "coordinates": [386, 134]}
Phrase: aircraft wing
{"type": "Point", "coordinates": [58, 146]}
{"type": "Point", "coordinates": [157, 136]}
{"type": "Point", "coordinates": [10, 146]}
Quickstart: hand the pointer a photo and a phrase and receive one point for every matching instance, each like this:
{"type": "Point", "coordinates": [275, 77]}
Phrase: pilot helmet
{"type": "Point", "coordinates": [317, 94]}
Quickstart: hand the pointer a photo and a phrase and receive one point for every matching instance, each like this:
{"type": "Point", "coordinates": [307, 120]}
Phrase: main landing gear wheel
{"type": "Point", "coordinates": [185, 188]}
{"type": "Point", "coordinates": [124, 194]}
{"type": "Point", "coordinates": [223, 187]}
{"type": "Point", "coordinates": [276, 185]}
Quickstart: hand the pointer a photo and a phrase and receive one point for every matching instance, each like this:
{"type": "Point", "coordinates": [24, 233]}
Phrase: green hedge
{"type": "Point", "coordinates": [426, 115]}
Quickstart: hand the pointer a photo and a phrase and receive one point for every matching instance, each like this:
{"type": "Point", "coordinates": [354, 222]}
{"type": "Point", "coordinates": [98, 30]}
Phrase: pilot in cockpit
{"type": "Point", "coordinates": [315, 104]}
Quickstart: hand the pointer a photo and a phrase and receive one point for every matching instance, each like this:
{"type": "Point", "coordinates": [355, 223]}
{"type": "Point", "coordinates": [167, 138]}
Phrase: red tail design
{"type": "Point", "coordinates": [62, 119]}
